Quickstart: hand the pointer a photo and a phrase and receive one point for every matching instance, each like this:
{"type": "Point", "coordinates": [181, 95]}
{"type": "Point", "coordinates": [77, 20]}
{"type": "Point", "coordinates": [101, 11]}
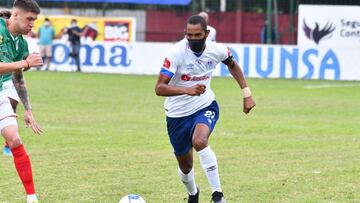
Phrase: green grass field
{"type": "Point", "coordinates": [105, 137]}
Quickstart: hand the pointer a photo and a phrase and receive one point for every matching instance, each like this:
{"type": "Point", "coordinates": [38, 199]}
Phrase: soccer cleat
{"type": "Point", "coordinates": [218, 197]}
{"type": "Point", "coordinates": [194, 198]}
{"type": "Point", "coordinates": [7, 151]}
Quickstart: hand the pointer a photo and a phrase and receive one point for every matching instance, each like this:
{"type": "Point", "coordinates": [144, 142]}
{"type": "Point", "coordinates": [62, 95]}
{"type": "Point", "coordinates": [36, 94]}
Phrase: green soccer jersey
{"type": "Point", "coordinates": [11, 48]}
{"type": "Point", "coordinates": [6, 77]}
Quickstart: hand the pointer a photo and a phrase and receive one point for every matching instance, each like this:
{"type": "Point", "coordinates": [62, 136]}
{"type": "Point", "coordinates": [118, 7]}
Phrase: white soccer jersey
{"type": "Point", "coordinates": [212, 34]}
{"type": "Point", "coordinates": [185, 70]}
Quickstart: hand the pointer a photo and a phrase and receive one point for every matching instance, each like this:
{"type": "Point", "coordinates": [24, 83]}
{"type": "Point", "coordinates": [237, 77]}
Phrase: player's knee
{"type": "Point", "coordinates": [13, 142]}
{"type": "Point", "coordinates": [185, 169]}
{"type": "Point", "coordinates": [200, 143]}
{"type": "Point", "coordinates": [186, 166]}
{"type": "Point", "coordinates": [10, 133]}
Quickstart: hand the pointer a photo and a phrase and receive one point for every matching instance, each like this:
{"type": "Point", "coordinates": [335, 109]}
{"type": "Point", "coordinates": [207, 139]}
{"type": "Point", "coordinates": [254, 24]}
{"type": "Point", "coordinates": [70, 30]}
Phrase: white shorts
{"type": "Point", "coordinates": [7, 115]}
{"type": "Point", "coordinates": [7, 121]}
{"type": "Point", "coordinates": [10, 91]}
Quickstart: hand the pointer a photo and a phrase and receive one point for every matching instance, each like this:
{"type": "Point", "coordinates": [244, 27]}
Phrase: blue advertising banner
{"type": "Point", "coordinates": [154, 2]}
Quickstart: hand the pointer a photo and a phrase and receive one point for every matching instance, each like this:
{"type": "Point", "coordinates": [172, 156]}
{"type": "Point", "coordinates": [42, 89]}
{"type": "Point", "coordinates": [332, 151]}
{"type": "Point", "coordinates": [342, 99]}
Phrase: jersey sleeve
{"type": "Point", "coordinates": [3, 47]}
{"type": "Point", "coordinates": [169, 66]}
{"type": "Point", "coordinates": [225, 54]}
{"type": "Point", "coordinates": [212, 34]}
{"type": "Point", "coordinates": [24, 52]}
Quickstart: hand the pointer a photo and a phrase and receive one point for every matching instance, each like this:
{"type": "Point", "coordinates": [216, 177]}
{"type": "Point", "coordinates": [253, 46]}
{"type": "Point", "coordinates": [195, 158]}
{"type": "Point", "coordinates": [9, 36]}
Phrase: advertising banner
{"type": "Point", "coordinates": [329, 25]}
{"type": "Point", "coordinates": [108, 29]}
{"type": "Point", "coordinates": [296, 62]}
{"type": "Point", "coordinates": [257, 61]}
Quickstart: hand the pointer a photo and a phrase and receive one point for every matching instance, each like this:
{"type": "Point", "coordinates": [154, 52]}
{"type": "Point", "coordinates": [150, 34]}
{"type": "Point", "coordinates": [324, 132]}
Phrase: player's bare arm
{"type": "Point", "coordinates": [33, 60]}
{"type": "Point", "coordinates": [163, 88]}
{"type": "Point", "coordinates": [13, 66]}
{"type": "Point", "coordinates": [19, 83]}
{"type": "Point", "coordinates": [238, 75]}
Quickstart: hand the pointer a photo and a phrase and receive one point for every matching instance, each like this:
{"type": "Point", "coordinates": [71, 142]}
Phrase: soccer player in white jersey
{"type": "Point", "coordinates": [190, 106]}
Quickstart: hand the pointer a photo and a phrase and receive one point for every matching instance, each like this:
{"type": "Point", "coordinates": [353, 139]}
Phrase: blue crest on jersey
{"type": "Point", "coordinates": [210, 64]}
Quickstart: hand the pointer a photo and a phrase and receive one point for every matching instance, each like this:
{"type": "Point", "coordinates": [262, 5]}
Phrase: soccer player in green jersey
{"type": "Point", "coordinates": [14, 57]}
{"type": "Point", "coordinates": [17, 92]}
{"type": "Point", "coordinates": [6, 14]}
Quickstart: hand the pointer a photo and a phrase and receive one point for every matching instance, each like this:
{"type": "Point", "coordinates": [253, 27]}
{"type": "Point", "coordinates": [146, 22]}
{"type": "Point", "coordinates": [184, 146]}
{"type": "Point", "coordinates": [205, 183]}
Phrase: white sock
{"type": "Point", "coordinates": [31, 198]}
{"type": "Point", "coordinates": [209, 164]}
{"type": "Point", "coordinates": [189, 181]}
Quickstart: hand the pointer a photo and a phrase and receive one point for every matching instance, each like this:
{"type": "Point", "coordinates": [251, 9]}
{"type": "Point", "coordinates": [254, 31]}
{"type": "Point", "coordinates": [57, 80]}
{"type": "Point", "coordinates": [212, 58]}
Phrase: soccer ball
{"type": "Point", "coordinates": [132, 198]}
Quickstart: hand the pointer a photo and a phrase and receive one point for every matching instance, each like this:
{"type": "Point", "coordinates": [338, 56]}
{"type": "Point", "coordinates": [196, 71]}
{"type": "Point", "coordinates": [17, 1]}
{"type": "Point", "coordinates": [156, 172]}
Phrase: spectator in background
{"type": "Point", "coordinates": [75, 32]}
{"type": "Point", "coordinates": [5, 14]}
{"type": "Point", "coordinates": [212, 34]}
{"type": "Point", "coordinates": [263, 34]}
{"type": "Point", "coordinates": [46, 35]}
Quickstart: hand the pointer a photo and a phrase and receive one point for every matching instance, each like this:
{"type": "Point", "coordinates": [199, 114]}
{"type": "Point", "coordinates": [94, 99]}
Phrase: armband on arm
{"type": "Point", "coordinates": [27, 63]}
{"type": "Point", "coordinates": [228, 60]}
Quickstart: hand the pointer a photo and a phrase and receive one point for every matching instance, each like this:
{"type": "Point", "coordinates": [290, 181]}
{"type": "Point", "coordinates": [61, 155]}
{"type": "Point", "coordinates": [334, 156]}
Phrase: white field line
{"type": "Point", "coordinates": [330, 86]}
{"type": "Point", "coordinates": [83, 129]}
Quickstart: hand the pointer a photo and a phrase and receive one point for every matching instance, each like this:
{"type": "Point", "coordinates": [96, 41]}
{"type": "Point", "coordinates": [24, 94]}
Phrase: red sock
{"type": "Point", "coordinates": [23, 167]}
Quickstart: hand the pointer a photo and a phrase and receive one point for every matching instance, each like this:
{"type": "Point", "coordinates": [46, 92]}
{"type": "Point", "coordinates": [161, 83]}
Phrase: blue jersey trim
{"type": "Point", "coordinates": [166, 72]}
{"type": "Point", "coordinates": [198, 54]}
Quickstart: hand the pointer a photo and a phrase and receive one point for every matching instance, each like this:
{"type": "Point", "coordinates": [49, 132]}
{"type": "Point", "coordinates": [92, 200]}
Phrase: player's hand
{"type": "Point", "coordinates": [249, 103]}
{"type": "Point", "coordinates": [30, 121]}
{"type": "Point", "coordinates": [34, 60]}
{"type": "Point", "coordinates": [196, 90]}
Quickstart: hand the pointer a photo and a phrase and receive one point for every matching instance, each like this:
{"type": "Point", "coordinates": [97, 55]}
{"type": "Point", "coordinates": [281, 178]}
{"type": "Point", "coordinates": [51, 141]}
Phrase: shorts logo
{"type": "Point", "coordinates": [209, 115]}
{"type": "Point", "coordinates": [166, 63]}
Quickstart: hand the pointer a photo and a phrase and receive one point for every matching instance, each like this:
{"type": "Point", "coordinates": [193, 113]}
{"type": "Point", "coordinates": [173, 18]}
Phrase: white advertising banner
{"type": "Point", "coordinates": [329, 25]}
{"type": "Point", "coordinates": [258, 61]}
{"type": "Point", "coordinates": [108, 57]}
{"type": "Point", "coordinates": [296, 62]}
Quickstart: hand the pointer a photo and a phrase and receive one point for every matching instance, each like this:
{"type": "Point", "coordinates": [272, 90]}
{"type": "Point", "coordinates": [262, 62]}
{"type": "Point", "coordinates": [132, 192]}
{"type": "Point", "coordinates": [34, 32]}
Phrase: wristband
{"type": "Point", "coordinates": [246, 91]}
{"type": "Point", "coordinates": [28, 65]}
